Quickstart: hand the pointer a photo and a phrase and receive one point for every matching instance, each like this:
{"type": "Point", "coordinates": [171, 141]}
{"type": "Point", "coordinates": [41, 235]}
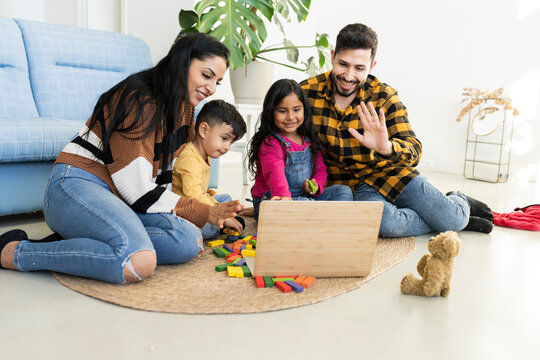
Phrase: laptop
{"type": "Point", "coordinates": [317, 238]}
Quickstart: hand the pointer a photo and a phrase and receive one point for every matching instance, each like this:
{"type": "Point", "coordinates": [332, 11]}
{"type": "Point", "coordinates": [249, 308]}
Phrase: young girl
{"type": "Point", "coordinates": [285, 153]}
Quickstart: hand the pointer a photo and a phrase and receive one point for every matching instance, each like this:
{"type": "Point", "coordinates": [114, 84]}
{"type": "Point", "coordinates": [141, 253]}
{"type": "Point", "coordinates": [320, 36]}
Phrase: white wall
{"type": "Point", "coordinates": [428, 50]}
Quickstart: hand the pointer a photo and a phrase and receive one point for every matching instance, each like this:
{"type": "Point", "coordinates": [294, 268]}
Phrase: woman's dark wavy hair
{"type": "Point", "coordinates": [165, 86]}
{"type": "Point", "coordinates": [268, 128]}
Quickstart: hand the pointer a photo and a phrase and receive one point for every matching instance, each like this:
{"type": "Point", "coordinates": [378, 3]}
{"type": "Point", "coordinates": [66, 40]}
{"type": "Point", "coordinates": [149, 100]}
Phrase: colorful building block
{"type": "Point", "coordinates": [268, 281]}
{"type": "Point", "coordinates": [253, 242]}
{"type": "Point", "coordinates": [249, 247]}
{"type": "Point", "coordinates": [282, 279]}
{"type": "Point", "coordinates": [259, 281]}
{"type": "Point", "coordinates": [248, 252]}
{"type": "Point", "coordinates": [282, 286]}
{"type": "Point", "coordinates": [223, 267]}
{"type": "Point", "coordinates": [228, 248]}
{"type": "Point", "coordinates": [296, 287]}
{"type": "Point", "coordinates": [246, 271]}
{"type": "Point", "coordinates": [308, 282]}
{"type": "Point", "coordinates": [233, 258]}
{"type": "Point", "coordinates": [215, 243]}
{"type": "Point", "coordinates": [242, 262]}
{"type": "Point", "coordinates": [219, 252]}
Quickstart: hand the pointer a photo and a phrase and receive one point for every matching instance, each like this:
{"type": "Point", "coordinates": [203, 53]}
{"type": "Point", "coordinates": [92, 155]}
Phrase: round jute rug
{"type": "Point", "coordinates": [196, 288]}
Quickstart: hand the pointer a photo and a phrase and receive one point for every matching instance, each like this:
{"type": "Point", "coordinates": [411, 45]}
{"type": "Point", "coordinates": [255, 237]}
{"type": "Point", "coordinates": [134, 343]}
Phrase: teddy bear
{"type": "Point", "coordinates": [435, 268]}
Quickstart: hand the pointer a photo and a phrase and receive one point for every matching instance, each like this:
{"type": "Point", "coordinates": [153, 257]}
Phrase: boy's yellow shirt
{"type": "Point", "coordinates": [191, 174]}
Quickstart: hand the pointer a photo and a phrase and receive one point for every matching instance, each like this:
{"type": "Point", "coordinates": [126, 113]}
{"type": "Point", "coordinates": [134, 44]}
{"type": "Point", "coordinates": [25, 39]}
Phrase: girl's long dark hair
{"type": "Point", "coordinates": [164, 86]}
{"type": "Point", "coordinates": [267, 126]}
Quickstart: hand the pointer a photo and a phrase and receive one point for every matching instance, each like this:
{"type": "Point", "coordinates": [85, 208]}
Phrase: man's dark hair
{"type": "Point", "coordinates": [217, 112]}
{"type": "Point", "coordinates": [357, 36]}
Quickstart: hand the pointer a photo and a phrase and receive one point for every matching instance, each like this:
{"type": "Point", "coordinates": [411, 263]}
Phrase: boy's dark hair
{"type": "Point", "coordinates": [357, 36]}
{"type": "Point", "coordinates": [217, 112]}
{"type": "Point", "coordinates": [267, 126]}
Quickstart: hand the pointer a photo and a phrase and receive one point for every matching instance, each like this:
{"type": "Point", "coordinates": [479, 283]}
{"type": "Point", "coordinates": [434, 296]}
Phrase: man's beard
{"type": "Point", "coordinates": [342, 93]}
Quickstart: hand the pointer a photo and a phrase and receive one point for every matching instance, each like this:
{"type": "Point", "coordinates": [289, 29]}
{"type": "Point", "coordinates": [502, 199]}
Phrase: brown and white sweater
{"type": "Point", "coordinates": [132, 167]}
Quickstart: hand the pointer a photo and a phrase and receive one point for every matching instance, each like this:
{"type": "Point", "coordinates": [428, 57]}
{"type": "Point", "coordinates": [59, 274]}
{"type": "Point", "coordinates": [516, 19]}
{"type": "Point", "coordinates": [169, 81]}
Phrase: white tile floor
{"type": "Point", "coordinates": [493, 311]}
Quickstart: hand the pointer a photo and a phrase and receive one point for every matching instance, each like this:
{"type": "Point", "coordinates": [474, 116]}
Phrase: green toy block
{"type": "Point", "coordinates": [312, 186]}
{"type": "Point", "coordinates": [268, 283]}
{"type": "Point", "coordinates": [236, 261]}
{"type": "Point", "coordinates": [282, 279]}
{"type": "Point", "coordinates": [253, 242]}
{"type": "Point", "coordinates": [246, 271]}
{"type": "Point", "coordinates": [223, 267]}
{"type": "Point", "coordinates": [219, 252]}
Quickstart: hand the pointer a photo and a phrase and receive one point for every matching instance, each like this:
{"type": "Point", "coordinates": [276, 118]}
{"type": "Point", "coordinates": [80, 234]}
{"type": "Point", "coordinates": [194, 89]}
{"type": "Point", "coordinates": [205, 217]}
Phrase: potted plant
{"type": "Point", "coordinates": [240, 25]}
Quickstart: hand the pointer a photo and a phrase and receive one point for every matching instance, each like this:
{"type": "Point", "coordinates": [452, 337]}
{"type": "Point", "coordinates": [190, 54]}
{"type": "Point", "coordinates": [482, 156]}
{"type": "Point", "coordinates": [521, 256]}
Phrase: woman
{"type": "Point", "coordinates": [109, 193]}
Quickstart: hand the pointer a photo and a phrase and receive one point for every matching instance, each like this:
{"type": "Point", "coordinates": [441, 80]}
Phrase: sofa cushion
{"type": "Point", "coordinates": [15, 94]}
{"type": "Point", "coordinates": [71, 67]}
{"type": "Point", "coordinates": [34, 139]}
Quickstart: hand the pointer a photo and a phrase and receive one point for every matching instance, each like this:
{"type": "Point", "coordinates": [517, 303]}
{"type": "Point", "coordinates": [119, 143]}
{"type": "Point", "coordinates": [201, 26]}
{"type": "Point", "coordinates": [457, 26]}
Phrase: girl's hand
{"type": "Point", "coordinates": [232, 223]}
{"type": "Point", "coordinates": [281, 198]}
{"type": "Point", "coordinates": [222, 211]}
{"type": "Point", "coordinates": [308, 189]}
{"type": "Point", "coordinates": [375, 133]}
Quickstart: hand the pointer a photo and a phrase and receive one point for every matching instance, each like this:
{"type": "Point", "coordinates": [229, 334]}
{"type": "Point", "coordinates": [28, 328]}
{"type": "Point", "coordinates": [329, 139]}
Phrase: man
{"type": "Point", "coordinates": [371, 146]}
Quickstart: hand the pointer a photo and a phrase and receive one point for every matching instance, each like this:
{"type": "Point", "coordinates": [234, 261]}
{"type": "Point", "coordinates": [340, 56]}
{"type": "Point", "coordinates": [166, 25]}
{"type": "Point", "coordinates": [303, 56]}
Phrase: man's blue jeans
{"type": "Point", "coordinates": [420, 208]}
{"type": "Point", "coordinates": [101, 231]}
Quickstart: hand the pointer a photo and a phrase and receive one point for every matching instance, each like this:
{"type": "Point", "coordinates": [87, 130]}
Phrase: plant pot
{"type": "Point", "coordinates": [250, 83]}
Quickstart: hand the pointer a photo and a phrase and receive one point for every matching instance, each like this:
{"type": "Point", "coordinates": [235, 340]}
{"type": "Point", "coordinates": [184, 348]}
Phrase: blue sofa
{"type": "Point", "coordinates": [50, 79]}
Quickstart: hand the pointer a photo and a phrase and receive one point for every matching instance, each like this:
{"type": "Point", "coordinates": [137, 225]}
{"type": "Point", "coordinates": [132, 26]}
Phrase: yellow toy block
{"type": "Point", "coordinates": [249, 247]}
{"type": "Point", "coordinates": [215, 243]}
{"type": "Point", "coordinates": [248, 252]}
{"type": "Point", "coordinates": [235, 271]}
{"type": "Point", "coordinates": [246, 239]}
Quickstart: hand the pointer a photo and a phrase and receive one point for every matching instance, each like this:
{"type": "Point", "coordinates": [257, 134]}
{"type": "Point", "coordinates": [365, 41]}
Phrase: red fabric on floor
{"type": "Point", "coordinates": [526, 218]}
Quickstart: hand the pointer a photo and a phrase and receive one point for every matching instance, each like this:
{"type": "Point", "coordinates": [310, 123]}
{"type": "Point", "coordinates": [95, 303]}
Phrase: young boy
{"type": "Point", "coordinates": [218, 126]}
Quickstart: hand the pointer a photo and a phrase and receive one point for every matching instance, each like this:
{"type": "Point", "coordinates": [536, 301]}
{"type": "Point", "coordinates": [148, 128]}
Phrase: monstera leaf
{"type": "Point", "coordinates": [236, 24]}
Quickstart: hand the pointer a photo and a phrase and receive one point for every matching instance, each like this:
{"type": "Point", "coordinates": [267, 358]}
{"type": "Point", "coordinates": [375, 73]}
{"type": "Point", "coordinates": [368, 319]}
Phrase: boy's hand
{"type": "Point", "coordinates": [281, 198]}
{"type": "Point", "coordinates": [311, 190]}
{"type": "Point", "coordinates": [222, 211]}
{"type": "Point", "coordinates": [232, 223]}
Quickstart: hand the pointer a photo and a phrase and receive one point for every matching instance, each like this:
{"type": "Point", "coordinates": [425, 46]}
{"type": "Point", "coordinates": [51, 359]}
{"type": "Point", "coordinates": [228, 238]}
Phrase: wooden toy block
{"type": "Point", "coordinates": [248, 252]}
{"type": "Point", "coordinates": [268, 281]}
{"type": "Point", "coordinates": [243, 247]}
{"type": "Point", "coordinates": [300, 279]}
{"type": "Point", "coordinates": [296, 287]}
{"type": "Point", "coordinates": [239, 272]}
{"type": "Point", "coordinates": [231, 255]}
{"type": "Point", "coordinates": [228, 248]}
{"type": "Point", "coordinates": [259, 281]}
{"type": "Point", "coordinates": [246, 271]}
{"type": "Point", "coordinates": [241, 262]}
{"type": "Point", "coordinates": [215, 243]}
{"type": "Point", "coordinates": [247, 239]}
{"type": "Point", "coordinates": [312, 186]}
{"type": "Point", "coordinates": [219, 252]}
{"type": "Point", "coordinates": [231, 271]}
{"type": "Point", "coordinates": [249, 247]}
{"type": "Point", "coordinates": [233, 238]}
{"type": "Point", "coordinates": [308, 282]}
{"type": "Point", "coordinates": [282, 279]}
{"type": "Point", "coordinates": [253, 242]}
{"type": "Point", "coordinates": [282, 286]}
{"type": "Point", "coordinates": [233, 258]}
{"type": "Point", "coordinates": [285, 276]}
{"type": "Point", "coordinates": [223, 267]}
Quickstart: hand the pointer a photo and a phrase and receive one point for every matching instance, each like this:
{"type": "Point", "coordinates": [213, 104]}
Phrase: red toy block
{"type": "Point", "coordinates": [259, 281]}
{"type": "Point", "coordinates": [282, 286]}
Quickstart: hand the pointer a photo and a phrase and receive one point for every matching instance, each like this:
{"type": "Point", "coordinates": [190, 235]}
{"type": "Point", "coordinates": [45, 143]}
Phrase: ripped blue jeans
{"type": "Point", "coordinates": [101, 231]}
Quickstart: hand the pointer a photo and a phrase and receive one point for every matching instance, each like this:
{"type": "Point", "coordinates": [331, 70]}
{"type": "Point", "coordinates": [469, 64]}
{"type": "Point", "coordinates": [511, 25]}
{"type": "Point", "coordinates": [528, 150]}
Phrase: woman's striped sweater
{"type": "Point", "coordinates": [132, 167]}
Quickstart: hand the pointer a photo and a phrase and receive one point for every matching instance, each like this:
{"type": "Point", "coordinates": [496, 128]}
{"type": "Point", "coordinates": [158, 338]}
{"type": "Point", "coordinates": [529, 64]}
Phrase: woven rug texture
{"type": "Point", "coordinates": [196, 288]}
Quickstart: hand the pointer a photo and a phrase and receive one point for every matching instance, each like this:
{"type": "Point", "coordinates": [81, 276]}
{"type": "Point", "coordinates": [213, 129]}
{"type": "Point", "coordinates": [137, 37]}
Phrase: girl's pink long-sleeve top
{"type": "Point", "coordinates": [271, 168]}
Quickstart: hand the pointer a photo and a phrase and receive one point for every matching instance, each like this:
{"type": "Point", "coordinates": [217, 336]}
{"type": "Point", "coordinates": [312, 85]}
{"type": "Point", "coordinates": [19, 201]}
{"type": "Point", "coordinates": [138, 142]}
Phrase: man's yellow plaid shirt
{"type": "Point", "coordinates": [350, 163]}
